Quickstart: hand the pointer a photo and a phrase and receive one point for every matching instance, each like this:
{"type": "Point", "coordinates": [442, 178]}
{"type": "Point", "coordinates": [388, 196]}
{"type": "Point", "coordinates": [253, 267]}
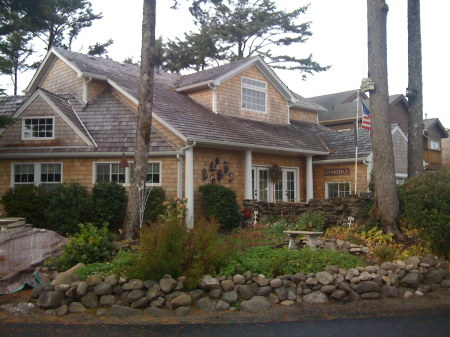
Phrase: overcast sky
{"type": "Point", "coordinates": [339, 39]}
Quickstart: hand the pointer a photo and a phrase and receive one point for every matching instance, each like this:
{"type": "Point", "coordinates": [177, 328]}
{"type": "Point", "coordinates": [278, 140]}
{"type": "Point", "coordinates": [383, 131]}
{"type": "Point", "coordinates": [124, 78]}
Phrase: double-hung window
{"type": "Point", "coordinates": [48, 175]}
{"type": "Point", "coordinates": [111, 172]}
{"type": "Point", "coordinates": [254, 95]}
{"type": "Point", "coordinates": [434, 145]}
{"type": "Point", "coordinates": [37, 128]}
{"type": "Point", "coordinates": [337, 190]}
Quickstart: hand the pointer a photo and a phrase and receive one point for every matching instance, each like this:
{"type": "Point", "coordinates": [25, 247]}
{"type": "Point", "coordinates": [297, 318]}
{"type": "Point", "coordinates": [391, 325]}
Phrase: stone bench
{"type": "Point", "coordinates": [310, 236]}
{"type": "Point", "coordinates": [11, 223]}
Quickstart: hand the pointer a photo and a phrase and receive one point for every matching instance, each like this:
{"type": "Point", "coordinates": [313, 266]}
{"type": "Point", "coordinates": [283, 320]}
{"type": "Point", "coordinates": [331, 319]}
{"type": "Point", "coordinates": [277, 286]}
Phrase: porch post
{"type": "Point", "coordinates": [248, 194]}
{"type": "Point", "coordinates": [309, 179]}
{"type": "Point", "coordinates": [189, 186]}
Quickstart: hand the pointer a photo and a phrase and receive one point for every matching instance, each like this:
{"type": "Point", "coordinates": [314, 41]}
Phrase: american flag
{"type": "Point", "coordinates": [366, 124]}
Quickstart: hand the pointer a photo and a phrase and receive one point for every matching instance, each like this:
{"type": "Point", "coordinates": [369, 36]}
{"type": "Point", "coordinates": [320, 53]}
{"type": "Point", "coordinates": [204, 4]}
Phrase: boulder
{"type": "Point", "coordinates": [239, 279]}
{"type": "Point", "coordinates": [276, 282]}
{"type": "Point", "coordinates": [90, 300]}
{"type": "Point", "coordinates": [315, 297]}
{"type": "Point", "coordinates": [230, 297]}
{"type": "Point", "coordinates": [338, 294]}
{"type": "Point", "coordinates": [246, 292]}
{"type": "Point", "coordinates": [140, 303]}
{"type": "Point", "coordinates": [82, 289]}
{"type": "Point", "coordinates": [430, 260]}
{"type": "Point", "coordinates": [411, 280]}
{"type": "Point", "coordinates": [134, 284]}
{"type": "Point", "coordinates": [389, 291]}
{"type": "Point", "coordinates": [215, 293]}
{"type": "Point", "coordinates": [366, 287]}
{"type": "Point", "coordinates": [103, 288]}
{"type": "Point", "coordinates": [222, 306]}
{"type": "Point", "coordinates": [256, 304]}
{"type": "Point", "coordinates": [62, 310]}
{"type": "Point", "coordinates": [153, 311]}
{"type": "Point", "coordinates": [205, 304]}
{"type": "Point", "coordinates": [227, 285]}
{"type": "Point", "coordinates": [298, 277]}
{"type": "Point", "coordinates": [112, 280]}
{"type": "Point", "coordinates": [371, 295]}
{"type": "Point", "coordinates": [93, 280]}
{"type": "Point", "coordinates": [135, 295]}
{"type": "Point", "coordinates": [158, 302]}
{"type": "Point", "coordinates": [154, 292]}
{"type": "Point", "coordinates": [122, 311]}
{"type": "Point", "coordinates": [183, 311]}
{"type": "Point", "coordinates": [65, 278]}
{"type": "Point", "coordinates": [435, 276]}
{"type": "Point", "coordinates": [196, 294]}
{"type": "Point", "coordinates": [264, 291]}
{"type": "Point", "coordinates": [182, 300]}
{"type": "Point", "coordinates": [50, 300]}
{"type": "Point", "coordinates": [332, 269]}
{"type": "Point", "coordinates": [328, 289]}
{"type": "Point", "coordinates": [324, 278]}
{"type": "Point", "coordinates": [76, 307]}
{"type": "Point", "coordinates": [107, 300]}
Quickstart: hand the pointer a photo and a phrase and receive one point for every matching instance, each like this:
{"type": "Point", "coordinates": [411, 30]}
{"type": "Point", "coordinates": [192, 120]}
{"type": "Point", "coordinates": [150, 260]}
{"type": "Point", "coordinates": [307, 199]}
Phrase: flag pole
{"type": "Point", "coordinates": [356, 139]}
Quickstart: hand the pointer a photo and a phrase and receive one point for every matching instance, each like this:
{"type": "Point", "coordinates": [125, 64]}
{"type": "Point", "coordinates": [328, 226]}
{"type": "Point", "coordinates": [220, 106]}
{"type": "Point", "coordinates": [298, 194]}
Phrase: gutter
{"type": "Point", "coordinates": [83, 154]}
{"type": "Point", "coordinates": [339, 161]}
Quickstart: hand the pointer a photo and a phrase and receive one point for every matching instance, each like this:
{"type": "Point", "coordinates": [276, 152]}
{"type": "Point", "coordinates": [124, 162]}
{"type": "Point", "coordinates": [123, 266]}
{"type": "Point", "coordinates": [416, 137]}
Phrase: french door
{"type": "Point", "coordinates": [286, 189]}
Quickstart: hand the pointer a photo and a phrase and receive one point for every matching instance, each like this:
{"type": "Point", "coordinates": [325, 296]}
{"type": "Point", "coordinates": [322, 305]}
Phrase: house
{"type": "Point", "coordinates": [433, 135]}
{"type": "Point", "coordinates": [227, 125]}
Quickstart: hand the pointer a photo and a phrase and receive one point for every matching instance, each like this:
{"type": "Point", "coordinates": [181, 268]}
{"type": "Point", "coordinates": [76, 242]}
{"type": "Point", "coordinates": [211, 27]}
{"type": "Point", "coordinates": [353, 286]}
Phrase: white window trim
{"type": "Point", "coordinates": [337, 182]}
{"type": "Point", "coordinates": [38, 138]}
{"type": "Point", "coordinates": [248, 86]}
{"type": "Point", "coordinates": [37, 172]}
{"type": "Point", "coordinates": [127, 172]}
{"type": "Point", "coordinates": [271, 185]}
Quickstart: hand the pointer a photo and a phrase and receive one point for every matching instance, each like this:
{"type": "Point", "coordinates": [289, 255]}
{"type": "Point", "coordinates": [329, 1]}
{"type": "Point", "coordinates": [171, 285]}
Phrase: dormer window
{"type": "Point", "coordinates": [38, 128]}
{"type": "Point", "coordinates": [254, 95]}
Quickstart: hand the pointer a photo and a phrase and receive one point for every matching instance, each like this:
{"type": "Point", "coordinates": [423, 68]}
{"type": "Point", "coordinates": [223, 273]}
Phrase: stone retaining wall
{"type": "Point", "coordinates": [249, 292]}
{"type": "Point", "coordinates": [336, 210]}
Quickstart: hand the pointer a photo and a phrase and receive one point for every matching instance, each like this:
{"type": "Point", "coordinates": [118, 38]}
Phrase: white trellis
{"type": "Point", "coordinates": [143, 193]}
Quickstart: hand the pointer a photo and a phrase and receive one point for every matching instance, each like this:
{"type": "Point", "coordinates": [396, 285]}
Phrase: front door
{"type": "Point", "coordinates": [286, 189]}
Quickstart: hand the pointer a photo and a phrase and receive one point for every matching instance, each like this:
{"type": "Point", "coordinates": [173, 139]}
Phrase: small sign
{"type": "Point", "coordinates": [367, 84]}
{"type": "Point", "coordinates": [337, 172]}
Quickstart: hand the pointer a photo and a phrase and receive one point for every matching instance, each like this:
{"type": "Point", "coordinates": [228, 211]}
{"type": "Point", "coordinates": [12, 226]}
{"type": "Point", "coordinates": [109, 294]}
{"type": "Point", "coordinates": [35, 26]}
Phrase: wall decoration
{"type": "Point", "coordinates": [226, 167]}
{"type": "Point", "coordinates": [216, 173]}
{"type": "Point", "coordinates": [212, 179]}
{"type": "Point", "coordinates": [230, 177]}
{"type": "Point", "coordinates": [275, 173]}
{"type": "Point", "coordinates": [213, 166]}
{"type": "Point", "coordinates": [204, 174]}
{"type": "Point", "coordinates": [217, 160]}
{"type": "Point", "coordinates": [219, 175]}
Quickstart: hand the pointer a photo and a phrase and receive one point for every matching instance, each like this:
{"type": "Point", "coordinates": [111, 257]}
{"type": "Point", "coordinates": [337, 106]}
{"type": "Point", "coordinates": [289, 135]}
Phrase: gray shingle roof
{"type": "Point", "coordinates": [10, 104]}
{"type": "Point", "coordinates": [330, 100]}
{"type": "Point", "coordinates": [305, 103]}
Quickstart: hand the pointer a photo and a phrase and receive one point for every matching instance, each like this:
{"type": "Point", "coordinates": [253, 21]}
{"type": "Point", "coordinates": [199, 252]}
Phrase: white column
{"type": "Point", "coordinates": [248, 175]}
{"type": "Point", "coordinates": [309, 179]}
{"type": "Point", "coordinates": [189, 186]}
{"type": "Point", "coordinates": [179, 177]}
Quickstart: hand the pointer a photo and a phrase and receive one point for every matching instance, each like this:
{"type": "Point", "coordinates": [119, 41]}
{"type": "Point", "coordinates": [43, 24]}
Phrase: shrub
{"type": "Point", "coordinates": [89, 245]}
{"type": "Point", "coordinates": [384, 253]}
{"type": "Point", "coordinates": [312, 221]}
{"type": "Point", "coordinates": [155, 207]}
{"type": "Point", "coordinates": [427, 202]}
{"type": "Point", "coordinates": [220, 203]}
{"type": "Point", "coordinates": [68, 205]}
{"type": "Point", "coordinates": [27, 201]}
{"type": "Point", "coordinates": [109, 201]}
{"type": "Point", "coordinates": [272, 262]}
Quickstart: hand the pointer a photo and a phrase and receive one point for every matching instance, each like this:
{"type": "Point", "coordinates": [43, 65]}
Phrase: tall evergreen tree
{"type": "Point", "coordinates": [99, 49]}
{"type": "Point", "coordinates": [383, 154]}
{"type": "Point", "coordinates": [415, 99]}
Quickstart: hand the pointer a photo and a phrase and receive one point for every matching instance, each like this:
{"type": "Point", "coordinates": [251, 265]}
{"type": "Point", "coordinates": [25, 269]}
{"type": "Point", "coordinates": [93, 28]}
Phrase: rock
{"type": "Point", "coordinates": [65, 278]}
{"type": "Point", "coordinates": [311, 281]}
{"type": "Point", "coordinates": [239, 279]}
{"type": "Point", "coordinates": [445, 284]}
{"type": "Point", "coordinates": [388, 266]}
{"type": "Point", "coordinates": [400, 264]}
{"type": "Point", "coordinates": [140, 303]}
{"type": "Point", "coordinates": [215, 293]}
{"type": "Point", "coordinates": [389, 291]}
{"type": "Point", "coordinates": [256, 304]}
{"type": "Point", "coordinates": [183, 311]}
{"type": "Point", "coordinates": [365, 250]}
{"type": "Point", "coordinates": [222, 306]}
{"type": "Point", "coordinates": [281, 293]}
{"type": "Point", "coordinates": [324, 278]}
{"type": "Point", "coordinates": [102, 312]}
{"type": "Point", "coordinates": [408, 294]}
{"type": "Point", "coordinates": [355, 250]}
{"type": "Point", "coordinates": [338, 294]}
{"type": "Point", "coordinates": [118, 290]}
{"type": "Point", "coordinates": [418, 293]}
{"type": "Point", "coordinates": [264, 291]}
{"type": "Point", "coordinates": [366, 287]}
{"type": "Point", "coordinates": [93, 280]}
{"type": "Point", "coordinates": [409, 267]}
{"type": "Point", "coordinates": [157, 302]}
{"type": "Point", "coordinates": [135, 295]}
{"type": "Point", "coordinates": [298, 277]}
{"type": "Point", "coordinates": [148, 284]}
{"type": "Point", "coordinates": [246, 292]}
{"type": "Point", "coordinates": [62, 287]}
{"type": "Point", "coordinates": [330, 246]}
{"type": "Point", "coordinates": [411, 280]}
{"type": "Point", "coordinates": [272, 298]}
{"type": "Point", "coordinates": [230, 297]}
{"type": "Point", "coordinates": [133, 284]}
{"type": "Point", "coordinates": [107, 300]}
{"type": "Point", "coordinates": [276, 282]}
{"type": "Point", "coordinates": [209, 283]}
{"type": "Point", "coordinates": [205, 304]}
{"type": "Point", "coordinates": [431, 260]}
{"type": "Point", "coordinates": [90, 300]}
{"type": "Point", "coordinates": [344, 286]}
{"type": "Point", "coordinates": [196, 294]}
{"type": "Point", "coordinates": [425, 288]}
{"type": "Point", "coordinates": [435, 276]}
{"type": "Point", "coordinates": [82, 289]}
{"type": "Point", "coordinates": [50, 300]}
{"type": "Point", "coordinates": [262, 282]}
{"type": "Point", "coordinates": [154, 292]}
{"type": "Point", "coordinates": [61, 311]}
{"type": "Point", "coordinates": [112, 280]}
{"type": "Point", "coordinates": [179, 285]}
{"type": "Point", "coordinates": [37, 291]}
{"type": "Point", "coordinates": [332, 269]}
{"type": "Point", "coordinates": [315, 297]}
{"type": "Point", "coordinates": [182, 300]}
{"type": "Point", "coordinates": [21, 308]}
{"type": "Point", "coordinates": [153, 311]}
{"type": "Point", "coordinates": [353, 295]}
{"type": "Point", "coordinates": [122, 311]}
{"type": "Point", "coordinates": [71, 292]}
{"type": "Point", "coordinates": [287, 303]}
{"type": "Point", "coordinates": [371, 295]}
{"type": "Point", "coordinates": [76, 307]}
{"type": "Point", "coordinates": [352, 272]}
{"type": "Point", "coordinates": [103, 288]}
{"type": "Point", "coordinates": [248, 275]}
{"type": "Point", "coordinates": [355, 279]}
{"type": "Point", "coordinates": [328, 289]}
{"type": "Point", "coordinates": [365, 276]}
{"type": "Point", "coordinates": [227, 285]}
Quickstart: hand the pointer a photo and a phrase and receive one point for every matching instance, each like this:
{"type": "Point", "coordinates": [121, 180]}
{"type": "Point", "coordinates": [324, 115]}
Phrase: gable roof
{"type": "Point", "coordinates": [431, 122]}
{"type": "Point", "coordinates": [10, 104]}
{"type": "Point", "coordinates": [330, 100]}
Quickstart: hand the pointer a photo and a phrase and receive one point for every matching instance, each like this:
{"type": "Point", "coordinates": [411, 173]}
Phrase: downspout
{"type": "Point", "coordinates": [214, 97]}
{"type": "Point", "coordinates": [189, 182]}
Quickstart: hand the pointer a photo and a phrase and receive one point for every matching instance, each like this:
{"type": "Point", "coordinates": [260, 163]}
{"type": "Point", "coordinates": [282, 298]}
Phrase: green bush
{"type": "Point", "coordinates": [384, 253]}
{"type": "Point", "coordinates": [273, 262]}
{"type": "Point", "coordinates": [155, 207]}
{"type": "Point", "coordinates": [220, 203]}
{"type": "Point", "coordinates": [427, 203]}
{"type": "Point", "coordinates": [312, 221]}
{"type": "Point", "coordinates": [89, 245]}
{"type": "Point", "coordinates": [68, 205]}
{"type": "Point", "coordinates": [27, 201]}
{"type": "Point", "coordinates": [109, 202]}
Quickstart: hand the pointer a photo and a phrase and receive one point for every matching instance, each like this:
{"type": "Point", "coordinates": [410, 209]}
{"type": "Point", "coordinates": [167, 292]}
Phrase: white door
{"type": "Point", "coordinates": [286, 189]}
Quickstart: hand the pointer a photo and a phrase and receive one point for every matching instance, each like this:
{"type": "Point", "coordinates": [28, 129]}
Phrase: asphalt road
{"type": "Point", "coordinates": [424, 325]}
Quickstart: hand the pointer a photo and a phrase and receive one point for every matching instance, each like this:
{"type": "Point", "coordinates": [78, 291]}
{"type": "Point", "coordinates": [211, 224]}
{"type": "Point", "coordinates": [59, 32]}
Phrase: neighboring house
{"type": "Point", "coordinates": [445, 145]}
{"type": "Point", "coordinates": [227, 125]}
{"type": "Point", "coordinates": [433, 135]}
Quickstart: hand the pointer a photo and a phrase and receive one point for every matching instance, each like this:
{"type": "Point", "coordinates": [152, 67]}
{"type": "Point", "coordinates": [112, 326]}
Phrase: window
{"type": "Point", "coordinates": [48, 175]}
{"type": "Point", "coordinates": [434, 145]}
{"type": "Point", "coordinates": [38, 128]}
{"type": "Point", "coordinates": [337, 190]}
{"type": "Point", "coordinates": [286, 189]}
{"type": "Point", "coordinates": [110, 172]}
{"type": "Point", "coordinates": [254, 94]}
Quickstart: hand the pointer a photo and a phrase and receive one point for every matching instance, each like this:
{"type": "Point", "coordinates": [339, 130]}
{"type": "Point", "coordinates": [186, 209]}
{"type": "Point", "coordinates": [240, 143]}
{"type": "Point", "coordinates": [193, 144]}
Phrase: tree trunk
{"type": "Point", "coordinates": [415, 110]}
{"type": "Point", "coordinates": [383, 155]}
{"type": "Point", "coordinates": [144, 122]}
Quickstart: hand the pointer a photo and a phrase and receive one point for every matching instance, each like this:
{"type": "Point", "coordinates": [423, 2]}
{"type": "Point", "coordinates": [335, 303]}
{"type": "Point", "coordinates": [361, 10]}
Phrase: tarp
{"type": "Point", "coordinates": [22, 253]}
